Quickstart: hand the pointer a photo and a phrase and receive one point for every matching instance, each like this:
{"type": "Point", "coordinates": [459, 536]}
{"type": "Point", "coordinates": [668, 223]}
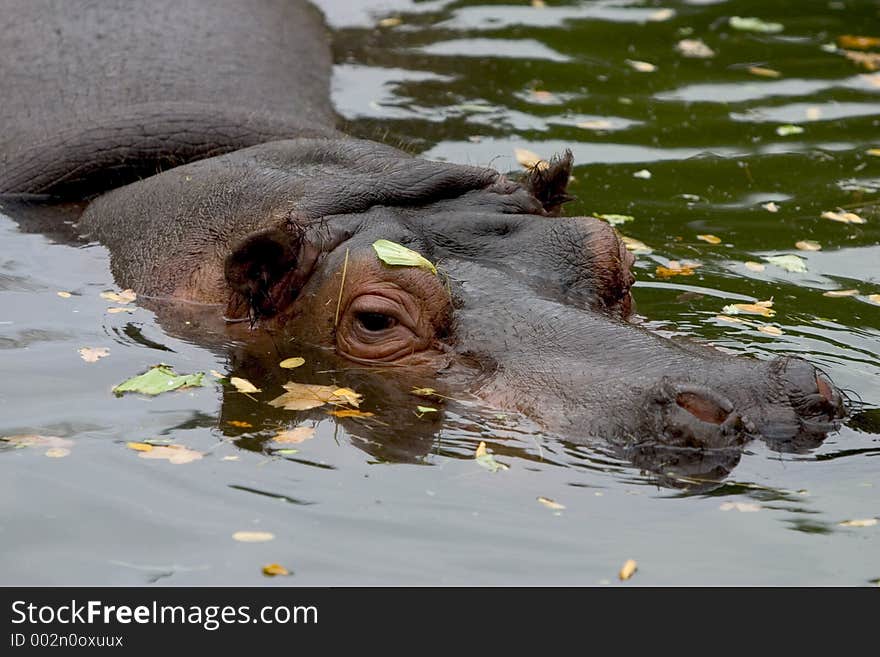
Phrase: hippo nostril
{"type": "Point", "coordinates": [714, 411]}
{"type": "Point", "coordinates": [811, 393]}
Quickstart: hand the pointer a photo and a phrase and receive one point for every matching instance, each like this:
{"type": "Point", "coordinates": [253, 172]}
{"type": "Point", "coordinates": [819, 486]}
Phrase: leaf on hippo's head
{"type": "Point", "coordinates": [397, 255]}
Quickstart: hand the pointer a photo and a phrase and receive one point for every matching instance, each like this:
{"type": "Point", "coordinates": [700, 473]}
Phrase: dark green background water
{"type": "Point", "coordinates": [456, 80]}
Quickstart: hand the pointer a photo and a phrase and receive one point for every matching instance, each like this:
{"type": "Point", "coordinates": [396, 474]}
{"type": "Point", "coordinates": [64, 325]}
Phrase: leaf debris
{"type": "Point", "coordinates": [394, 254]}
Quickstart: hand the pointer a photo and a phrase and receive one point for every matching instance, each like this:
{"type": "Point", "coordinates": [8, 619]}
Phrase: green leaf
{"type": "Point", "coordinates": [159, 379]}
{"type": "Point", "coordinates": [426, 409]}
{"type": "Point", "coordinates": [789, 129]}
{"type": "Point", "coordinates": [392, 253]}
{"type": "Point", "coordinates": [752, 24]}
{"type": "Point", "coordinates": [792, 263]}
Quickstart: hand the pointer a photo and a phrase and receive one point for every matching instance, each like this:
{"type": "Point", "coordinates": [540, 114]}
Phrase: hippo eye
{"type": "Point", "coordinates": [375, 322]}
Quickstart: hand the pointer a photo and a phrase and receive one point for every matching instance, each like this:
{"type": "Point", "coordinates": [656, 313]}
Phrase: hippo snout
{"type": "Point", "coordinates": [797, 401]}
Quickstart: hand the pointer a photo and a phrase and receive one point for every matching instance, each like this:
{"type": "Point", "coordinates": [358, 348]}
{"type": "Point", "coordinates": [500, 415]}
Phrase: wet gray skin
{"type": "Point", "coordinates": [529, 311]}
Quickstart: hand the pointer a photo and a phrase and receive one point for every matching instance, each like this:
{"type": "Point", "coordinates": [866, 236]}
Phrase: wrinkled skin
{"type": "Point", "coordinates": [264, 216]}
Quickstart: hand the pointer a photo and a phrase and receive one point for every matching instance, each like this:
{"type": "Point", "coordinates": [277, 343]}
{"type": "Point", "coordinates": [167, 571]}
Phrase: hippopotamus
{"type": "Point", "coordinates": [200, 139]}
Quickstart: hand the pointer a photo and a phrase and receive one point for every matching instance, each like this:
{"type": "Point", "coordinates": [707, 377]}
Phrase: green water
{"type": "Point", "coordinates": [408, 504]}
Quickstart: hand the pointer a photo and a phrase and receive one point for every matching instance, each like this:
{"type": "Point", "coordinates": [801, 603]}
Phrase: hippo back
{"type": "Point", "coordinates": [98, 93]}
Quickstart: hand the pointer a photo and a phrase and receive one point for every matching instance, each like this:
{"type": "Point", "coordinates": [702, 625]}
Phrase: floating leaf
{"type": "Point", "coordinates": [614, 219]}
{"type": "Point", "coordinates": [485, 459]}
{"type": "Point", "coordinates": [274, 569]}
{"type": "Point", "coordinates": [426, 409]}
{"type": "Point", "coordinates": [240, 424]}
{"type": "Point", "coordinates": [217, 375]}
{"type": "Point", "coordinates": [253, 537]}
{"type": "Point", "coordinates": [56, 447]}
{"type": "Point", "coordinates": [753, 24]}
{"type": "Point", "coordinates": [93, 354]}
{"type": "Point", "coordinates": [749, 309]}
{"type": "Point", "coordinates": [676, 268]}
{"type": "Point", "coordinates": [874, 298]}
{"type": "Point", "coordinates": [391, 21]}
{"type": "Point", "coordinates": [530, 159]}
{"type": "Point", "coordinates": [176, 454]}
{"type": "Point", "coordinates": [694, 48]}
{"type": "Point", "coordinates": [542, 96]}
{"type": "Point", "coordinates": [808, 245]}
{"type": "Point", "coordinates": [126, 296]}
{"type": "Point", "coordinates": [641, 67]}
{"type": "Point", "coordinates": [628, 569]}
{"type": "Point", "coordinates": [57, 452]}
{"type": "Point", "coordinates": [770, 207]}
{"type": "Point", "coordinates": [875, 152]}
{"type": "Point", "coordinates": [731, 320]}
{"type": "Point", "coordinates": [423, 392]}
{"type": "Point", "coordinates": [550, 504]}
{"type": "Point", "coordinates": [292, 363]}
{"type": "Point", "coordinates": [392, 253]}
{"type": "Point", "coordinates": [303, 396]}
{"type": "Point", "coordinates": [743, 507]}
{"type": "Point", "coordinates": [769, 329]}
{"type": "Point", "coordinates": [243, 385]}
{"type": "Point", "coordinates": [813, 113]}
{"type": "Point", "coordinates": [792, 263]}
{"type": "Point", "coordinates": [120, 309]}
{"type": "Point", "coordinates": [159, 379]}
{"type": "Point", "coordinates": [862, 522]}
{"type": "Point", "coordinates": [64, 295]}
{"type": "Point", "coordinates": [711, 239]}
{"type": "Point", "coordinates": [595, 124]}
{"type": "Point", "coordinates": [294, 436]}
{"type": "Point", "coordinates": [843, 217]}
{"type": "Point", "coordinates": [229, 458]}
{"type": "Point", "coordinates": [663, 14]}
{"type": "Point", "coordinates": [870, 61]}
{"type": "Point", "coordinates": [350, 412]}
{"type": "Point", "coordinates": [755, 266]}
{"type": "Point", "coordinates": [644, 174]}
{"type": "Point", "coordinates": [788, 129]}
{"type": "Point", "coordinates": [764, 72]}
{"type": "Point", "coordinates": [858, 42]}
{"type": "Point", "coordinates": [636, 246]}
{"type": "Point", "coordinates": [840, 293]}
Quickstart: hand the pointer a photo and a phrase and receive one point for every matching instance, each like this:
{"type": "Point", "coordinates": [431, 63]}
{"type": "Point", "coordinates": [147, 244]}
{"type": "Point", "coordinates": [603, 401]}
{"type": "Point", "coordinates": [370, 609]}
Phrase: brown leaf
{"type": "Point", "coordinates": [857, 42]}
{"type": "Point", "coordinates": [676, 268]}
{"type": "Point", "coordinates": [350, 412]}
{"type": "Point", "coordinates": [93, 354]}
{"type": "Point", "coordinates": [628, 570]}
{"type": "Point", "coordinates": [843, 217]}
{"type": "Point", "coordinates": [530, 159]}
{"type": "Point", "coordinates": [57, 452]}
{"type": "Point", "coordinates": [274, 569]}
{"type": "Point", "coordinates": [870, 61]}
{"type": "Point", "coordinates": [126, 296]}
{"type": "Point", "coordinates": [840, 293]}
{"type": "Point", "coordinates": [303, 396]}
{"type": "Point", "coordinates": [176, 454]}
{"type": "Point", "coordinates": [764, 72]}
{"type": "Point", "coordinates": [808, 245]}
{"type": "Point", "coordinates": [294, 436]}
{"type": "Point", "coordinates": [711, 239]}
{"type": "Point", "coordinates": [240, 424]}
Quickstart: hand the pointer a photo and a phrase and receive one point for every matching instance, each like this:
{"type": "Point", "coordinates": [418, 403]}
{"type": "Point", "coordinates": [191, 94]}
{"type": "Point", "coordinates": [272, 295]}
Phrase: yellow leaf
{"type": "Point", "coordinates": [636, 246]}
{"type": "Point", "coordinates": [253, 537]}
{"type": "Point", "coordinates": [274, 569]}
{"type": "Point", "coordinates": [875, 298]}
{"type": "Point", "coordinates": [93, 354]}
{"type": "Point", "coordinates": [550, 504]}
{"type": "Point", "coordinates": [862, 522]}
{"type": "Point", "coordinates": [628, 570]}
{"type": "Point", "coordinates": [870, 61]}
{"type": "Point", "coordinates": [530, 159]}
{"type": "Point", "coordinates": [291, 363]}
{"type": "Point", "coordinates": [641, 67]}
{"type": "Point", "coordinates": [423, 392]}
{"type": "Point", "coordinates": [840, 293]}
{"type": "Point", "coordinates": [749, 308]}
{"type": "Point", "coordinates": [770, 330]}
{"type": "Point", "coordinates": [858, 42]}
{"type": "Point", "coordinates": [126, 296]}
{"type": "Point", "coordinates": [676, 268]}
{"type": "Point", "coordinates": [808, 245]}
{"type": "Point", "coordinates": [595, 124]}
{"type": "Point", "coordinates": [661, 14]}
{"type": "Point", "coordinates": [217, 375]}
{"type": "Point", "coordinates": [486, 460]}
{"type": "Point", "coordinates": [139, 447]}
{"type": "Point", "coordinates": [350, 412]}
{"type": "Point", "coordinates": [303, 396]}
{"type": "Point", "coordinates": [120, 309]}
{"type": "Point", "coordinates": [727, 318]}
{"type": "Point", "coordinates": [64, 295]}
{"type": "Point", "coordinates": [391, 21]}
{"type": "Point", "coordinates": [243, 385]}
{"type": "Point", "coordinates": [394, 254]}
{"type": "Point", "coordinates": [755, 266]}
{"type": "Point", "coordinates": [765, 304]}
{"type": "Point", "coordinates": [711, 239]}
{"type": "Point", "coordinates": [763, 72]}
{"type": "Point", "coordinates": [57, 452]}
{"type": "Point", "coordinates": [294, 436]}
{"type": "Point", "coordinates": [873, 151]}
{"type": "Point", "coordinates": [176, 454]}
{"type": "Point", "coordinates": [694, 48]}
{"type": "Point", "coordinates": [239, 424]}
{"type": "Point", "coordinates": [843, 217]}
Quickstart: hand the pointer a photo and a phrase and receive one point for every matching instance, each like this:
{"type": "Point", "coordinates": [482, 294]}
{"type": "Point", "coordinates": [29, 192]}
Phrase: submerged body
{"type": "Point", "coordinates": [202, 135]}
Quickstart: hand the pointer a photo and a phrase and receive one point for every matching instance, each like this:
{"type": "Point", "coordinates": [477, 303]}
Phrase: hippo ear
{"type": "Point", "coordinates": [261, 270]}
{"type": "Point", "coordinates": [548, 183]}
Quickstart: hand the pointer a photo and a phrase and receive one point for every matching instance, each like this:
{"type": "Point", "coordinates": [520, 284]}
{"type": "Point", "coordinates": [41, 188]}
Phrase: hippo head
{"type": "Point", "coordinates": [526, 309]}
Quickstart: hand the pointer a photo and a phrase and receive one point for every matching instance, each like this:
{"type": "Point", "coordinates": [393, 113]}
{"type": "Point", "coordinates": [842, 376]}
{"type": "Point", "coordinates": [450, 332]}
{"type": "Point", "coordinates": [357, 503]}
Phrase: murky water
{"type": "Point", "coordinates": [365, 502]}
